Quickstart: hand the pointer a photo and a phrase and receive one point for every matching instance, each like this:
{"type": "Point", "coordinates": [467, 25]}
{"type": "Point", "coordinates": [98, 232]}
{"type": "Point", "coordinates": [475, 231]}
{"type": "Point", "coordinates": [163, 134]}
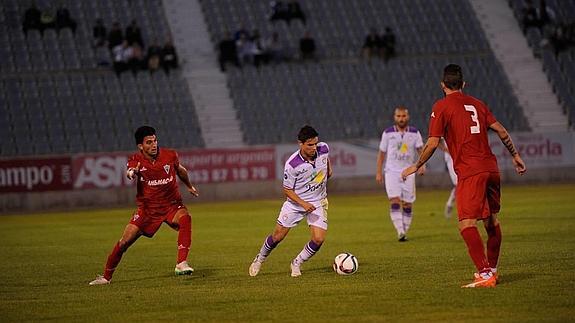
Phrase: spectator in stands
{"type": "Point", "coordinates": [545, 15]}
{"type": "Point", "coordinates": [115, 37]}
{"type": "Point", "coordinates": [241, 32]}
{"type": "Point", "coordinates": [246, 49]}
{"type": "Point", "coordinates": [134, 34]}
{"type": "Point", "coordinates": [227, 52]}
{"type": "Point", "coordinates": [280, 11]}
{"type": "Point", "coordinates": [169, 59]}
{"type": "Point", "coordinates": [307, 47]}
{"type": "Point", "coordinates": [371, 45]}
{"type": "Point", "coordinates": [562, 37]}
{"type": "Point", "coordinates": [388, 44]}
{"type": "Point", "coordinates": [64, 20]}
{"type": "Point", "coordinates": [276, 50]}
{"type": "Point", "coordinates": [153, 56]}
{"type": "Point", "coordinates": [259, 51]}
{"type": "Point", "coordinates": [99, 33]}
{"type": "Point", "coordinates": [294, 12]}
{"type": "Point", "coordinates": [121, 54]}
{"type": "Point", "coordinates": [135, 57]}
{"type": "Point", "coordinates": [529, 16]}
{"type": "Point", "coordinates": [47, 19]}
{"type": "Point", "coordinates": [32, 19]}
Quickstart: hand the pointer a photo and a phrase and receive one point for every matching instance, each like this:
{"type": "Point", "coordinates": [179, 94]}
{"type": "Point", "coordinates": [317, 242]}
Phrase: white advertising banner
{"type": "Point", "coordinates": [538, 150]}
{"type": "Point", "coordinates": [358, 158]}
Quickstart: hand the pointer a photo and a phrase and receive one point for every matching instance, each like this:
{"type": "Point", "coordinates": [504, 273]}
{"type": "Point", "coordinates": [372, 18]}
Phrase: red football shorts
{"type": "Point", "coordinates": [478, 196]}
{"type": "Point", "coordinates": [149, 221]}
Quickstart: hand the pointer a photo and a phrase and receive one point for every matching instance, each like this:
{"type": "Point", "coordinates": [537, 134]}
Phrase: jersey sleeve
{"type": "Point", "coordinates": [289, 178]}
{"type": "Point", "coordinates": [418, 141]}
{"type": "Point", "coordinates": [322, 148]}
{"type": "Point", "coordinates": [384, 142]}
{"type": "Point", "coordinates": [436, 122]}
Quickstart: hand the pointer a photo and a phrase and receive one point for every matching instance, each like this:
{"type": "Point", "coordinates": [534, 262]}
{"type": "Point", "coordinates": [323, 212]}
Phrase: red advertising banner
{"type": "Point", "coordinates": [100, 170]}
{"type": "Point", "coordinates": [229, 165]}
{"type": "Point", "coordinates": [204, 166]}
{"type": "Point", "coordinates": [35, 175]}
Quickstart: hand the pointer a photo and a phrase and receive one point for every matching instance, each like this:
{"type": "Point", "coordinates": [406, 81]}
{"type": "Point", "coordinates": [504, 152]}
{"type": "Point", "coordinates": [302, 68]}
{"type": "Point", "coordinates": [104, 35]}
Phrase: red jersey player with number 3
{"type": "Point", "coordinates": [158, 201]}
{"type": "Point", "coordinates": [464, 121]}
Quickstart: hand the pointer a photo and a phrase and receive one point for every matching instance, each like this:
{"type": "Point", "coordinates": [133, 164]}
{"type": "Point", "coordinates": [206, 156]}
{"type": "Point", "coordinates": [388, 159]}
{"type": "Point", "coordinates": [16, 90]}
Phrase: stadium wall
{"type": "Point", "coordinates": [98, 181]}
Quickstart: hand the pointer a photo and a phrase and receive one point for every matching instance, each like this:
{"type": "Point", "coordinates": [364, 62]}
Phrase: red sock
{"type": "Point", "coordinates": [475, 247]}
{"type": "Point", "coordinates": [493, 245]}
{"type": "Point", "coordinates": [184, 237]}
{"type": "Point", "coordinates": [113, 261]}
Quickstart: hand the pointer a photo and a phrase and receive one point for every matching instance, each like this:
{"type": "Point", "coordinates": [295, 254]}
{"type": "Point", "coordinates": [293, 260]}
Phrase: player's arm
{"type": "Point", "coordinates": [308, 207]}
{"type": "Point", "coordinates": [329, 169]}
{"type": "Point", "coordinates": [508, 143]}
{"type": "Point", "coordinates": [379, 171]}
{"type": "Point", "coordinates": [422, 169]}
{"type": "Point", "coordinates": [182, 173]}
{"type": "Point", "coordinates": [426, 153]}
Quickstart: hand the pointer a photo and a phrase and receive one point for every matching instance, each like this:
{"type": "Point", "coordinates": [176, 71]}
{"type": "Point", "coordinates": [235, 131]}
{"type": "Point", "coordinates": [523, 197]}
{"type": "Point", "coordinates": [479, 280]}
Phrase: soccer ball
{"type": "Point", "coordinates": [345, 264]}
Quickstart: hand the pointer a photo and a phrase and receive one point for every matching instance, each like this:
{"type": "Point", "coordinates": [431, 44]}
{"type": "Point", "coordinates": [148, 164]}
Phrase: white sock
{"type": "Point", "coordinates": [397, 219]}
{"type": "Point", "coordinates": [407, 216]}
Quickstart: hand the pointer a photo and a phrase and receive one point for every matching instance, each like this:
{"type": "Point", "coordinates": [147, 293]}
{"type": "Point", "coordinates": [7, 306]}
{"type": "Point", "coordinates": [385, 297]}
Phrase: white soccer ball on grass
{"type": "Point", "coordinates": [345, 264]}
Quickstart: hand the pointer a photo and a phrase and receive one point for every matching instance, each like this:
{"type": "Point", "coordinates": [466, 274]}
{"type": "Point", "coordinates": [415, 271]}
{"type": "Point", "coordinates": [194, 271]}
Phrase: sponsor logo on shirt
{"type": "Point", "coordinates": [163, 181]}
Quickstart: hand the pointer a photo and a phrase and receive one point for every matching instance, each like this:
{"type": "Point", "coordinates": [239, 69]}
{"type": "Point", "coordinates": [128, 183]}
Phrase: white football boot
{"type": "Point", "coordinates": [100, 280]}
{"type": "Point", "coordinates": [183, 269]}
{"type": "Point", "coordinates": [255, 266]}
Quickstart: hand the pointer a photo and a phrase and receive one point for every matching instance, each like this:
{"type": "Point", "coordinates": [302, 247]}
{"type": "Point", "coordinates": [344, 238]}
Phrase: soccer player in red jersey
{"type": "Point", "coordinates": [464, 121]}
{"type": "Point", "coordinates": [158, 201]}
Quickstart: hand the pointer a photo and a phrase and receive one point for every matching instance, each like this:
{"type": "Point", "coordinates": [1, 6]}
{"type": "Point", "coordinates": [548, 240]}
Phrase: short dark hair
{"type": "Point", "coordinates": [143, 132]}
{"type": "Point", "coordinates": [453, 77]}
{"type": "Point", "coordinates": [306, 133]}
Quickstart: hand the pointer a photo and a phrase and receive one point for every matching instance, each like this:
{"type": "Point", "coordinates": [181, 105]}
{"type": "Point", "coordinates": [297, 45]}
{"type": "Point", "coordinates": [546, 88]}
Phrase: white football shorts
{"type": "Point", "coordinates": [291, 214]}
{"type": "Point", "coordinates": [395, 186]}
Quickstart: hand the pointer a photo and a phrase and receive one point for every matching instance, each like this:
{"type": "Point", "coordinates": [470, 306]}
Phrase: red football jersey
{"type": "Point", "coordinates": [464, 121]}
{"type": "Point", "coordinates": [157, 180]}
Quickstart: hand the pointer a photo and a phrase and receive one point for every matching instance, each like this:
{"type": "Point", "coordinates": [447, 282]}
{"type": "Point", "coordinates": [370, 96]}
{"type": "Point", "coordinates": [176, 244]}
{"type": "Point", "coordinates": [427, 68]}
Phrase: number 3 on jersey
{"type": "Point", "coordinates": [475, 128]}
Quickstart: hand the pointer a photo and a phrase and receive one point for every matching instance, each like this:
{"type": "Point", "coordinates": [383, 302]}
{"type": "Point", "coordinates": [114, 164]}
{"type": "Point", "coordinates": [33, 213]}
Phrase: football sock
{"type": "Point", "coordinates": [475, 247]}
{"type": "Point", "coordinates": [184, 237]}
{"type": "Point", "coordinates": [396, 217]}
{"type": "Point", "coordinates": [493, 245]}
{"type": "Point", "coordinates": [113, 261]}
{"type": "Point", "coordinates": [307, 252]}
{"type": "Point", "coordinates": [267, 247]}
{"type": "Point", "coordinates": [407, 217]}
{"type": "Point", "coordinates": [451, 198]}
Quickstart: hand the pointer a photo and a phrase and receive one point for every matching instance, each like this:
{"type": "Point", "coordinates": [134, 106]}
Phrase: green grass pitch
{"type": "Point", "coordinates": [47, 260]}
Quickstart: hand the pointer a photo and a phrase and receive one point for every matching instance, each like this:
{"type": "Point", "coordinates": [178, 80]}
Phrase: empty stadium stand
{"type": "Point", "coordinates": [560, 69]}
{"type": "Point", "coordinates": [54, 100]}
{"type": "Point", "coordinates": [345, 97]}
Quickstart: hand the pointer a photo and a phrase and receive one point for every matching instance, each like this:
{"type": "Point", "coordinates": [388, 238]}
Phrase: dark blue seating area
{"type": "Point", "coordinates": [344, 96]}
{"type": "Point", "coordinates": [559, 67]}
{"type": "Point", "coordinates": [54, 101]}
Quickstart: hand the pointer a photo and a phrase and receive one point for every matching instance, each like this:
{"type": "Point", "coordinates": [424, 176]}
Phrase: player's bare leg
{"type": "Point", "coordinates": [310, 249]}
{"type": "Point", "coordinates": [493, 229]}
{"type": "Point", "coordinates": [279, 233]}
{"type": "Point", "coordinates": [397, 217]}
{"type": "Point", "coordinates": [470, 234]}
{"type": "Point", "coordinates": [407, 216]}
{"type": "Point", "coordinates": [183, 223]}
{"type": "Point", "coordinates": [130, 235]}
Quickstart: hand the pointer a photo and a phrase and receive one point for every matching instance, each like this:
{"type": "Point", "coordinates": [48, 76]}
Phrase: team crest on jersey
{"type": "Point", "coordinates": [167, 168]}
